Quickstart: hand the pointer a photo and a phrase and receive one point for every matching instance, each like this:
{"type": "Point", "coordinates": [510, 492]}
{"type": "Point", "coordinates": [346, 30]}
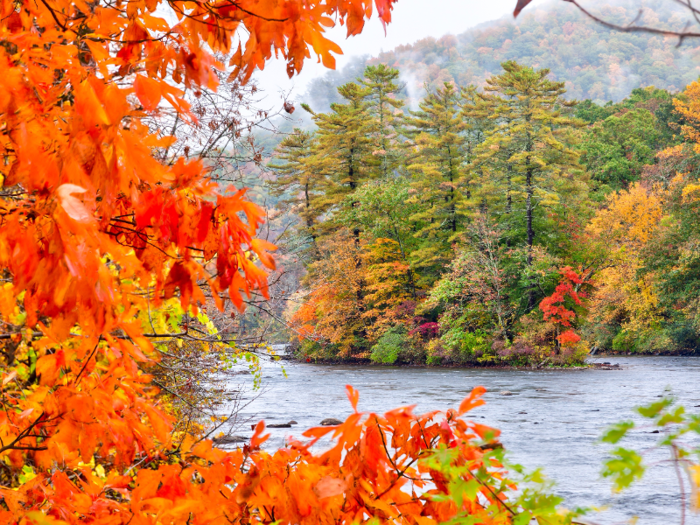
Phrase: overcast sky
{"type": "Point", "coordinates": [411, 21]}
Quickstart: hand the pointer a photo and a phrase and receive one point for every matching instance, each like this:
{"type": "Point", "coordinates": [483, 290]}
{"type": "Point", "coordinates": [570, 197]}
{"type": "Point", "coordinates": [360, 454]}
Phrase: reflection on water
{"type": "Point", "coordinates": [552, 420]}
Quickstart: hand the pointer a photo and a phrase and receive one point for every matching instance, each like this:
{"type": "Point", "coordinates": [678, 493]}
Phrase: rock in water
{"type": "Point", "coordinates": [506, 393]}
{"type": "Point", "coordinates": [227, 440]}
{"type": "Point", "coordinates": [331, 421]}
{"type": "Point", "coordinates": [491, 446]}
{"type": "Point", "coordinates": [280, 425]}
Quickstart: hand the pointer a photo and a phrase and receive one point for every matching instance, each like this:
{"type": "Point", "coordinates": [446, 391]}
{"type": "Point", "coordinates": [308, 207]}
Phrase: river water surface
{"type": "Point", "coordinates": [553, 419]}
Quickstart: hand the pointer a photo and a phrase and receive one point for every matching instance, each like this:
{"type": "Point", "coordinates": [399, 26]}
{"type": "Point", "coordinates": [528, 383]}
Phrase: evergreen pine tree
{"type": "Point", "coordinates": [437, 166]}
{"type": "Point", "coordinates": [385, 110]}
{"type": "Point", "coordinates": [482, 113]}
{"type": "Point", "coordinates": [529, 140]}
{"type": "Point", "coordinates": [343, 155]}
{"type": "Point", "coordinates": [476, 112]}
{"type": "Point", "coordinates": [296, 181]}
{"type": "Point", "coordinates": [343, 152]}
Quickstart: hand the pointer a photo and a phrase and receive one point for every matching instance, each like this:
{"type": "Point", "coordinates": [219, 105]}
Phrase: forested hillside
{"type": "Point", "coordinates": [503, 224]}
{"type": "Point", "coordinates": [594, 62]}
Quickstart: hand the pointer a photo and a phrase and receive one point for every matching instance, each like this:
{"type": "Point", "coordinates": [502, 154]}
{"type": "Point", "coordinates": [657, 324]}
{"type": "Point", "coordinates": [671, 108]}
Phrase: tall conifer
{"type": "Point", "coordinates": [437, 166]}
{"type": "Point", "coordinates": [529, 141]}
{"type": "Point", "coordinates": [343, 152]}
{"type": "Point", "coordinates": [384, 107]}
{"type": "Point", "coordinates": [297, 182]}
{"type": "Point", "coordinates": [476, 112]}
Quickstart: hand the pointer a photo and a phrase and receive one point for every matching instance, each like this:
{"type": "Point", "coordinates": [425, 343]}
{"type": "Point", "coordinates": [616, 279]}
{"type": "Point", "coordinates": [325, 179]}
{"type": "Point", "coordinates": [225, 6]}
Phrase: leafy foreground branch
{"type": "Point", "coordinates": [676, 429]}
{"type": "Point", "coordinates": [395, 468]}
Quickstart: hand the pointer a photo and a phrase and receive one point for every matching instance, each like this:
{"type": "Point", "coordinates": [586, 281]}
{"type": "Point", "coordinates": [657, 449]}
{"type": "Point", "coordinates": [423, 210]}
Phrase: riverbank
{"type": "Point", "coordinates": [673, 353]}
{"type": "Point", "coordinates": [366, 363]}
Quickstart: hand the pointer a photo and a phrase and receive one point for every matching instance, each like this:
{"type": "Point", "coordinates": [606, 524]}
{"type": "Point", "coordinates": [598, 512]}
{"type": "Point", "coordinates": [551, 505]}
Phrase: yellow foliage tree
{"type": "Point", "coordinates": [623, 299]}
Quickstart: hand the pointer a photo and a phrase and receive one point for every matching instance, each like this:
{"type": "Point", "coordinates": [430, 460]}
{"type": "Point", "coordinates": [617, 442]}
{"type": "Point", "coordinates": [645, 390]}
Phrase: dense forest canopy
{"type": "Point", "coordinates": [594, 62]}
{"type": "Point", "coordinates": [495, 223]}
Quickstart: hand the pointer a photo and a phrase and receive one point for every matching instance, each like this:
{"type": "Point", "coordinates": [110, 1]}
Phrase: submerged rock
{"type": "Point", "coordinates": [491, 446]}
{"type": "Point", "coordinates": [606, 365]}
{"type": "Point", "coordinates": [227, 440]}
{"type": "Point", "coordinates": [282, 425]}
{"type": "Point", "coordinates": [506, 393]}
{"type": "Point", "coordinates": [329, 421]}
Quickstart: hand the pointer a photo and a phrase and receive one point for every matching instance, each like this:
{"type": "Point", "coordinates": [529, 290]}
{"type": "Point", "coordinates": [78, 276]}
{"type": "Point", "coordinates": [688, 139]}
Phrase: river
{"type": "Point", "coordinates": [553, 419]}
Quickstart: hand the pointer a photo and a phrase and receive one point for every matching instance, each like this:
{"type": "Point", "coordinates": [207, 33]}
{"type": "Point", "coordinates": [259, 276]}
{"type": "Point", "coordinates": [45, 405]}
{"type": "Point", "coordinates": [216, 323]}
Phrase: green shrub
{"type": "Point", "coordinates": [465, 346]}
{"type": "Point", "coordinates": [314, 350]}
{"type": "Point", "coordinates": [390, 346]}
{"type": "Point", "coordinates": [625, 342]}
{"type": "Point", "coordinates": [434, 360]}
{"type": "Point", "coordinates": [474, 343]}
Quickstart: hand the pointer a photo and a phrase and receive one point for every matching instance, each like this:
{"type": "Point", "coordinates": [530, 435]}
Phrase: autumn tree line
{"type": "Point", "coordinates": [503, 225]}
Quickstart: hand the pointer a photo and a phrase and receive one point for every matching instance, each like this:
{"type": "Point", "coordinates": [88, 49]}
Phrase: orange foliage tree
{"type": "Point", "coordinates": [333, 313]}
{"type": "Point", "coordinates": [95, 230]}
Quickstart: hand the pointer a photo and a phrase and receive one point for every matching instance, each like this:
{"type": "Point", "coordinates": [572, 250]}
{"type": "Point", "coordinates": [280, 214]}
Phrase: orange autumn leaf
{"type": "Point", "coordinates": [328, 486]}
{"type": "Point", "coordinates": [353, 396]}
{"type": "Point", "coordinates": [473, 400]}
{"type": "Point", "coordinates": [258, 436]}
{"type": "Point", "coordinates": [148, 92]}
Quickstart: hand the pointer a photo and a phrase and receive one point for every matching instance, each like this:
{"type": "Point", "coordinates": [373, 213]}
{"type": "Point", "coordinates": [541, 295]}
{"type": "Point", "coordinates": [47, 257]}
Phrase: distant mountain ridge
{"type": "Point", "coordinates": [596, 63]}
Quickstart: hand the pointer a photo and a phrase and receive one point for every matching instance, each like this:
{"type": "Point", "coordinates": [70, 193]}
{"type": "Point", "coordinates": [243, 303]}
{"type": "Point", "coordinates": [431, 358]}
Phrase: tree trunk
{"type": "Point", "coordinates": [452, 209]}
{"type": "Point", "coordinates": [351, 170]}
{"type": "Point", "coordinates": [530, 234]}
{"type": "Point", "coordinates": [359, 294]}
{"type": "Point", "coordinates": [310, 220]}
{"type": "Point", "coordinates": [509, 190]}
{"type": "Point", "coordinates": [530, 190]}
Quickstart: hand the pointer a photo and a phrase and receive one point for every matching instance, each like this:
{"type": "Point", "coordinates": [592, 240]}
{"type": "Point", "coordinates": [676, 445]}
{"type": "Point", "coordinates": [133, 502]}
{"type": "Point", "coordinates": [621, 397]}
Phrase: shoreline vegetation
{"type": "Point", "coordinates": [494, 225]}
{"type": "Point", "coordinates": [546, 364]}
{"type": "Point", "coordinates": [499, 366]}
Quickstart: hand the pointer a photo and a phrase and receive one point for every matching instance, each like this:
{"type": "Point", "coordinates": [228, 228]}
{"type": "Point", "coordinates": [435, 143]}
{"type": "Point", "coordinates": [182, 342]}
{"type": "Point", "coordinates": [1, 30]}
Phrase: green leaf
{"type": "Point", "coordinates": [522, 519]}
{"type": "Point", "coordinates": [672, 417]}
{"type": "Point", "coordinates": [653, 410]}
{"type": "Point", "coordinates": [616, 432]}
{"type": "Point", "coordinates": [32, 360]}
{"type": "Point", "coordinates": [624, 468]}
{"type": "Point", "coordinates": [27, 474]}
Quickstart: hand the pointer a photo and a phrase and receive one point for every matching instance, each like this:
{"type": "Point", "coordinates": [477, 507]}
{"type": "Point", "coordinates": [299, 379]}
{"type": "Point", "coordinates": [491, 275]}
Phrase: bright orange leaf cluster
{"type": "Point", "coordinates": [396, 468]}
{"type": "Point", "coordinates": [95, 230]}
